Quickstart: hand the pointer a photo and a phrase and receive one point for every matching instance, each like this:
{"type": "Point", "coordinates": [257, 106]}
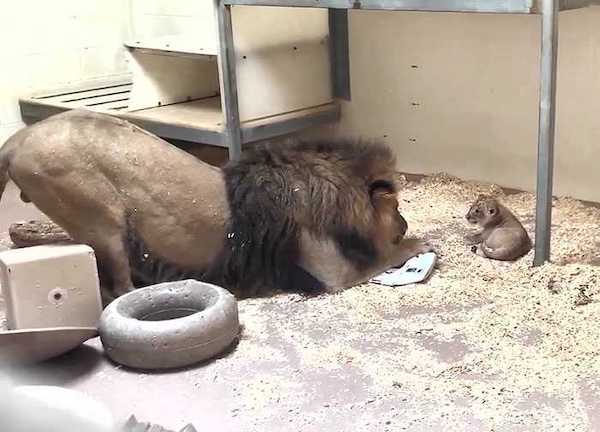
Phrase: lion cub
{"type": "Point", "coordinates": [502, 236]}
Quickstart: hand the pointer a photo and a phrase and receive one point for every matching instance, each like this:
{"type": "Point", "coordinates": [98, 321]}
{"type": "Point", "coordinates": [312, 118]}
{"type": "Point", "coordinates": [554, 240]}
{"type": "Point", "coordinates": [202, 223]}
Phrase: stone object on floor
{"type": "Point", "coordinates": [50, 286]}
{"type": "Point", "coordinates": [36, 233]}
{"type": "Point", "coordinates": [133, 425]}
{"type": "Point", "coordinates": [169, 325]}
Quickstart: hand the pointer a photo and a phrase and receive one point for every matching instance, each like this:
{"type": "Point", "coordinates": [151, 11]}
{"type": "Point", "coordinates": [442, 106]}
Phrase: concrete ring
{"type": "Point", "coordinates": [169, 325]}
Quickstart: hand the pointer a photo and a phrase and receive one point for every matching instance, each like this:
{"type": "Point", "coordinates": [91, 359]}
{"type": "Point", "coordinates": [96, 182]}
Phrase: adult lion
{"type": "Point", "coordinates": [297, 215]}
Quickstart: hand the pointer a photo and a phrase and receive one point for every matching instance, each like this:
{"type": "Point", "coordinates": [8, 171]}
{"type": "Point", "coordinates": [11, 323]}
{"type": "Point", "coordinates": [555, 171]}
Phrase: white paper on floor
{"type": "Point", "coordinates": [415, 270]}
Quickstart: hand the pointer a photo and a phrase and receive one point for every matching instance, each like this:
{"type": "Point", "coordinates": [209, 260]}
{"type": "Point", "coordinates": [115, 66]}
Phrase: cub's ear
{"type": "Point", "coordinates": [383, 194]}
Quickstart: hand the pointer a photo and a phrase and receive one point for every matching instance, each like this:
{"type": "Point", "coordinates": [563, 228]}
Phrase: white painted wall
{"type": "Point", "coordinates": [49, 44]}
{"type": "Point", "coordinates": [476, 80]}
{"type": "Point", "coordinates": [282, 59]}
{"type": "Point", "coordinates": [192, 18]}
{"type": "Point", "coordinates": [46, 44]}
{"type": "Point", "coordinates": [476, 86]}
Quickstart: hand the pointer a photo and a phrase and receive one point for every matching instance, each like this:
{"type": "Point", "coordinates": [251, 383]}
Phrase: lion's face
{"type": "Point", "coordinates": [398, 228]}
{"type": "Point", "coordinates": [391, 225]}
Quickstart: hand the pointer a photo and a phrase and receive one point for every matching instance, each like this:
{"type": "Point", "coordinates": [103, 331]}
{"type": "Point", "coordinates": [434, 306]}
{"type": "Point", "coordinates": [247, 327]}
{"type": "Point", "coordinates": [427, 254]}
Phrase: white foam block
{"type": "Point", "coordinates": [50, 286]}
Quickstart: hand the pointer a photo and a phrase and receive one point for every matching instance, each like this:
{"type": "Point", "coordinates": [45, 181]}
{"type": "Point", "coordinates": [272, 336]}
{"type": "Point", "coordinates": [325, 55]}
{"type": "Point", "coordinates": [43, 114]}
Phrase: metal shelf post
{"type": "Point", "coordinates": [228, 81]}
{"type": "Point", "coordinates": [547, 114]}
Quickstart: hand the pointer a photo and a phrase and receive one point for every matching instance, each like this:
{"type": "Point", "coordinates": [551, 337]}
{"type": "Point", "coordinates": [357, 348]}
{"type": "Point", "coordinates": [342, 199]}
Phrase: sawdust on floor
{"type": "Point", "coordinates": [505, 346]}
{"type": "Point", "coordinates": [518, 342]}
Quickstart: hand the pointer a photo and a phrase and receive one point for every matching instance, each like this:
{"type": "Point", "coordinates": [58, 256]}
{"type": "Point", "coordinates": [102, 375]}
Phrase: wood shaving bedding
{"type": "Point", "coordinates": [483, 345]}
{"type": "Point", "coordinates": [515, 343]}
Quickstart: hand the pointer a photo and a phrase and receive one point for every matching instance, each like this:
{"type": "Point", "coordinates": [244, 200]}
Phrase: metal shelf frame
{"type": "Point", "coordinates": [208, 117]}
{"type": "Point", "coordinates": [338, 19]}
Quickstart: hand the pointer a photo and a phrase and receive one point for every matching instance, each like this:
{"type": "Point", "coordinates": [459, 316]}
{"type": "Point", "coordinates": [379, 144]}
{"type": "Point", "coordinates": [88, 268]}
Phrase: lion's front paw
{"type": "Point", "coordinates": [421, 246]}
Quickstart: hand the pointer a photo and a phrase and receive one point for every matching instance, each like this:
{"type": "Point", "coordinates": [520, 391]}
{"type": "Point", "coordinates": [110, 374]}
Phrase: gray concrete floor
{"type": "Point", "coordinates": [278, 379]}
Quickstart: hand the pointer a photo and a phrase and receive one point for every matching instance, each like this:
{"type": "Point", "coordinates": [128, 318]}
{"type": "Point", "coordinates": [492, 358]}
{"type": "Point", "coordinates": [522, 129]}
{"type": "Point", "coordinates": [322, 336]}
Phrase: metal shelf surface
{"type": "Point", "coordinates": [468, 6]}
{"type": "Point", "coordinates": [199, 121]}
{"type": "Point", "coordinates": [178, 46]}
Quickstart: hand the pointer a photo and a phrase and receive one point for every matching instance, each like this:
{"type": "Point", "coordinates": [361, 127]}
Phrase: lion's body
{"type": "Point", "coordinates": [283, 215]}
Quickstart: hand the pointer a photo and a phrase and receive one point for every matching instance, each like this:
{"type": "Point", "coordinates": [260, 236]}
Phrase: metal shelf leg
{"type": "Point", "coordinates": [228, 81]}
{"type": "Point", "coordinates": [545, 162]}
{"type": "Point", "coordinates": [340, 55]}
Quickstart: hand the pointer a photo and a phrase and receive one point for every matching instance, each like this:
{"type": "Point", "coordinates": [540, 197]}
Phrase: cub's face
{"type": "Point", "coordinates": [483, 212]}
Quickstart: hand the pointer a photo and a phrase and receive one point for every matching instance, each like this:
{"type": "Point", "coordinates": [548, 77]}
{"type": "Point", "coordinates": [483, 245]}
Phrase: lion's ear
{"type": "Point", "coordinates": [382, 185]}
{"type": "Point", "coordinates": [383, 194]}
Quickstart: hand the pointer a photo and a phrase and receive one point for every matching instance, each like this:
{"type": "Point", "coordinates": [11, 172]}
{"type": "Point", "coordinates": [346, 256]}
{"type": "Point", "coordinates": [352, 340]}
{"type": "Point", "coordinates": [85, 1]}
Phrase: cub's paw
{"type": "Point", "coordinates": [479, 252]}
{"type": "Point", "coordinates": [472, 239]}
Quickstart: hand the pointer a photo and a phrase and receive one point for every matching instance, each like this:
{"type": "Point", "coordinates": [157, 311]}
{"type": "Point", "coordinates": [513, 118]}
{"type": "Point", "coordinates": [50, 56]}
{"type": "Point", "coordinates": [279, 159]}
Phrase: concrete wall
{"type": "Point", "coordinates": [459, 93]}
{"type": "Point", "coordinates": [49, 44]}
{"type": "Point", "coordinates": [193, 18]}
{"type": "Point", "coordinates": [46, 44]}
{"type": "Point", "coordinates": [450, 92]}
